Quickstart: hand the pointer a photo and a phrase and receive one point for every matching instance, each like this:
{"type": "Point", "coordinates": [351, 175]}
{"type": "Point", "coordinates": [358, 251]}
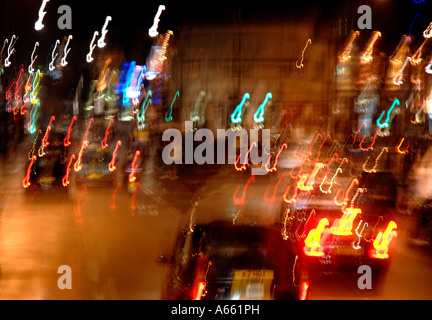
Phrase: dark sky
{"type": "Point", "coordinates": [131, 20]}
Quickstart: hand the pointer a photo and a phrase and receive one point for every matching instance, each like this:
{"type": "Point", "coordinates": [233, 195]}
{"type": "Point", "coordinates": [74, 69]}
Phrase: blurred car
{"type": "Point", "coordinates": [381, 187]}
{"type": "Point", "coordinates": [223, 256]}
{"type": "Point", "coordinates": [46, 168]}
{"type": "Point", "coordinates": [95, 167]}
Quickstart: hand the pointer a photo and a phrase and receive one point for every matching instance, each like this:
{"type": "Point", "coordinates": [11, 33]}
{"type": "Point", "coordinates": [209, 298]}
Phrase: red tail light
{"type": "Point", "coordinates": [313, 240]}
{"type": "Point", "coordinates": [382, 241]}
{"type": "Point", "coordinates": [199, 290]}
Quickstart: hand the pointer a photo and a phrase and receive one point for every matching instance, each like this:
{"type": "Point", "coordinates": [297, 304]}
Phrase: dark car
{"type": "Point", "coordinates": [226, 261]}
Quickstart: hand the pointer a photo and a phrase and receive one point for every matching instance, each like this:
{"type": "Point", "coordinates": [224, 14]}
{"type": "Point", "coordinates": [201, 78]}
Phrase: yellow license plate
{"type": "Point", "coordinates": [94, 176]}
{"type": "Point", "coordinates": [348, 251]}
{"type": "Point", "coordinates": [252, 284]}
{"type": "Point", "coordinates": [47, 180]}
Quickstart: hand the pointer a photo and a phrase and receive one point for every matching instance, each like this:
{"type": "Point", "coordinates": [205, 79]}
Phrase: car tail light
{"type": "Point", "coordinates": [199, 290]}
{"type": "Point", "coordinates": [382, 241]}
{"type": "Point", "coordinates": [304, 288]}
{"type": "Point", "coordinates": [313, 240]}
{"type": "Point", "coordinates": [344, 225]}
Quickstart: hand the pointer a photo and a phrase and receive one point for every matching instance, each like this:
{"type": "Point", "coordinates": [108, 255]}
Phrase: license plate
{"type": "Point", "coordinates": [252, 284]}
{"type": "Point", "coordinates": [47, 180]}
{"type": "Point", "coordinates": [348, 251]}
{"type": "Point", "coordinates": [94, 176]}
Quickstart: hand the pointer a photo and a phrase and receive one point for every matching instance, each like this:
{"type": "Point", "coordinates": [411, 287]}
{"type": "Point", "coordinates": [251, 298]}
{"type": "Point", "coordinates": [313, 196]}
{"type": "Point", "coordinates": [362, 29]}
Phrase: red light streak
{"type": "Point", "coordinates": [199, 290]}
{"type": "Point", "coordinates": [111, 165]}
{"type": "Point", "coordinates": [26, 180]}
{"type": "Point", "coordinates": [371, 146]}
{"type": "Point", "coordinates": [104, 141]}
{"type": "Point", "coordinates": [243, 166]}
{"type": "Point", "coordinates": [112, 204]}
{"type": "Point", "coordinates": [274, 168]}
{"type": "Point", "coordinates": [134, 166]}
{"type": "Point", "coordinates": [397, 147]}
{"type": "Point", "coordinates": [273, 197]}
{"type": "Point", "coordinates": [355, 181]}
{"type": "Point", "coordinates": [358, 131]}
{"type": "Point", "coordinates": [304, 290]}
{"type": "Point", "coordinates": [84, 144]}
{"type": "Point", "coordinates": [241, 200]}
{"type": "Point", "coordinates": [65, 180]}
{"type": "Point", "coordinates": [45, 142]}
{"type": "Point", "coordinates": [66, 141]}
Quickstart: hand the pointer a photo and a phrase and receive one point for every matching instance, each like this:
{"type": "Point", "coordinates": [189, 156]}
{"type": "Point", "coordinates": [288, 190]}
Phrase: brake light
{"type": "Point", "coordinates": [382, 242]}
{"type": "Point", "coordinates": [304, 290]}
{"type": "Point", "coordinates": [313, 240]}
{"type": "Point", "coordinates": [199, 290]}
{"type": "Point", "coordinates": [343, 226]}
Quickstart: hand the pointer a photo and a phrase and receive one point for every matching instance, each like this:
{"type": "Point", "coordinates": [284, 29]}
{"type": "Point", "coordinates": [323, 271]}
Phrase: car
{"type": "Point", "coordinates": [226, 257]}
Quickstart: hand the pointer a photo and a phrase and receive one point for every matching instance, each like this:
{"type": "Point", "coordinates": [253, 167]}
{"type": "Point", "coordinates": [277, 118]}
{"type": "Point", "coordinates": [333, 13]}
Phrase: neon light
{"type": "Point", "coordinates": [298, 66]}
{"type": "Point", "coordinates": [134, 166]}
{"type": "Point", "coordinates": [38, 24]}
{"type": "Point", "coordinates": [66, 141]}
{"type": "Point", "coordinates": [366, 57]}
{"type": "Point", "coordinates": [53, 56]}
{"type": "Point", "coordinates": [346, 53]}
{"type": "Point", "coordinates": [386, 123]}
{"type": "Point", "coordinates": [104, 144]}
{"type": "Point", "coordinates": [101, 42]}
{"type": "Point", "coordinates": [10, 50]}
{"type": "Point", "coordinates": [65, 180]}
{"type": "Point", "coordinates": [92, 46]}
{"type": "Point", "coordinates": [259, 114]}
{"type": "Point", "coordinates": [111, 165]}
{"type": "Point", "coordinates": [398, 145]}
{"type": "Point", "coordinates": [241, 200]}
{"type": "Point", "coordinates": [26, 180]}
{"type": "Point", "coordinates": [343, 226]}
{"type": "Point", "coordinates": [169, 118]}
{"type": "Point", "coordinates": [236, 115]}
{"type": "Point", "coordinates": [63, 61]}
{"type": "Point", "coordinates": [153, 30]}
{"type": "Point", "coordinates": [30, 68]}
{"type": "Point", "coordinates": [382, 242]}
{"type": "Point", "coordinates": [313, 240]}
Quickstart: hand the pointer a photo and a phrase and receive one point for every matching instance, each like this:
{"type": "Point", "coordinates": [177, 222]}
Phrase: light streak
{"type": "Point", "coordinates": [241, 200]}
{"type": "Point", "coordinates": [272, 199]}
{"type": "Point", "coordinates": [366, 56]}
{"type": "Point", "coordinates": [417, 14]}
{"type": "Point", "coordinates": [30, 68]}
{"type": "Point", "coordinates": [63, 61]}
{"type": "Point", "coordinates": [31, 125]}
{"type": "Point", "coordinates": [15, 85]}
{"type": "Point", "coordinates": [26, 181]}
{"type": "Point", "coordinates": [372, 144]}
{"type": "Point", "coordinates": [344, 203]}
{"type": "Point", "coordinates": [397, 80]}
{"type": "Point", "coordinates": [343, 226]}
{"type": "Point", "coordinates": [134, 166]}
{"type": "Point", "coordinates": [313, 240]}
{"type": "Point", "coordinates": [169, 118]}
{"type": "Point", "coordinates": [382, 242]}
{"type": "Point", "coordinates": [346, 53]}
{"type": "Point", "coordinates": [376, 161]}
{"type": "Point", "coordinates": [111, 165]}
{"type": "Point", "coordinates": [92, 46]}
{"type": "Point", "coordinates": [386, 123]}
{"type": "Point", "coordinates": [10, 50]}
{"type": "Point", "coordinates": [66, 141]}
{"type": "Point", "coordinates": [398, 145]}
{"type": "Point", "coordinates": [153, 30]}
{"type": "Point", "coordinates": [101, 42]}
{"type": "Point", "coordinates": [428, 32]}
{"type": "Point", "coordinates": [298, 66]}
{"type": "Point", "coordinates": [126, 84]}
{"type": "Point", "coordinates": [355, 136]}
{"type": "Point", "coordinates": [162, 56]}
{"type": "Point", "coordinates": [53, 56]}
{"type": "Point", "coordinates": [359, 235]}
{"type": "Point", "coordinates": [243, 166]}
{"type": "Point", "coordinates": [104, 140]}
{"type": "Point", "coordinates": [84, 144]}
{"type": "Point", "coordinates": [259, 114]}
{"type": "Point", "coordinates": [274, 168]}
{"type": "Point", "coordinates": [35, 87]}
{"type": "Point", "coordinates": [331, 181]}
{"type": "Point", "coordinates": [45, 142]}
{"type": "Point", "coordinates": [65, 180]}
{"type": "Point", "coordinates": [112, 204]}
{"type": "Point", "coordinates": [38, 24]}
{"type": "Point", "coordinates": [144, 106]}
{"type": "Point", "coordinates": [236, 115]}
{"type": "Point", "coordinates": [416, 58]}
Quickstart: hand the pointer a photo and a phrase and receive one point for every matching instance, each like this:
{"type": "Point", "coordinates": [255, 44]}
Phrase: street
{"type": "Point", "coordinates": [112, 239]}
